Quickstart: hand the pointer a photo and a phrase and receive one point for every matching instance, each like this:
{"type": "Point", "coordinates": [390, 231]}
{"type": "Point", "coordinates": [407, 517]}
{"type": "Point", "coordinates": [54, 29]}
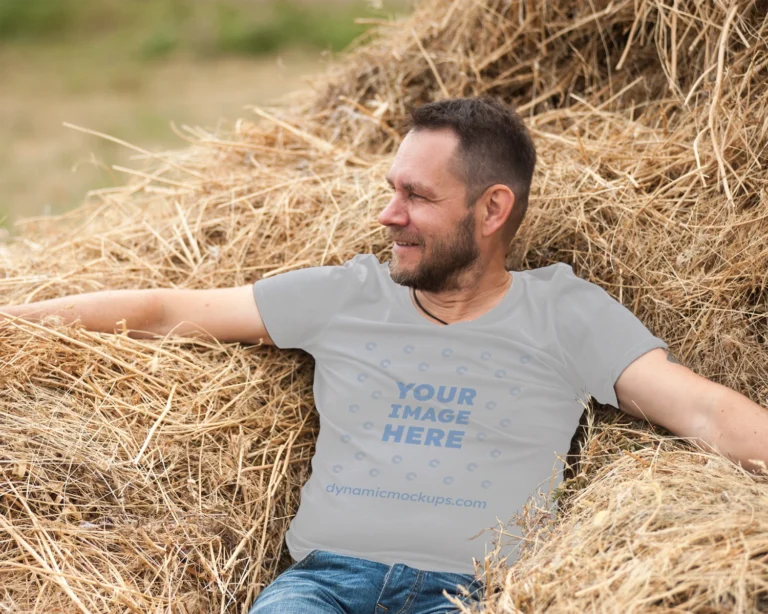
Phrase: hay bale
{"type": "Point", "coordinates": [651, 526]}
{"type": "Point", "coordinates": [154, 476]}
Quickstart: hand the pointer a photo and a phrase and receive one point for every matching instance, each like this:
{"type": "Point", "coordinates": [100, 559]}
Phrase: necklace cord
{"type": "Point", "coordinates": [416, 298]}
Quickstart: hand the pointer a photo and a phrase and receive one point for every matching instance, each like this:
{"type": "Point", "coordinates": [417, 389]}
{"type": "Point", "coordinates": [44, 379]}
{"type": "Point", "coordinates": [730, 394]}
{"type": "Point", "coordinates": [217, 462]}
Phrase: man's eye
{"type": "Point", "coordinates": [414, 195]}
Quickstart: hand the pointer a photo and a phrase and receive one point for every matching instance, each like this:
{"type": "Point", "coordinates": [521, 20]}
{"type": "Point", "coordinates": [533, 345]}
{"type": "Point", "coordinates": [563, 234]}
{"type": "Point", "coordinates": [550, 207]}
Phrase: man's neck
{"type": "Point", "coordinates": [467, 302]}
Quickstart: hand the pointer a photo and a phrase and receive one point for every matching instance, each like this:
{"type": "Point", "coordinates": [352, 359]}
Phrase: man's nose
{"type": "Point", "coordinates": [394, 214]}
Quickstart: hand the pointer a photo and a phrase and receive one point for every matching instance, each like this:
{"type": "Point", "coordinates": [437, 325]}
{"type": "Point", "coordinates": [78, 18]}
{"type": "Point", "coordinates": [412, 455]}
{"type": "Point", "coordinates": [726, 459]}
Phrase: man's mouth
{"type": "Point", "coordinates": [405, 247]}
{"type": "Point", "coordinates": [404, 242]}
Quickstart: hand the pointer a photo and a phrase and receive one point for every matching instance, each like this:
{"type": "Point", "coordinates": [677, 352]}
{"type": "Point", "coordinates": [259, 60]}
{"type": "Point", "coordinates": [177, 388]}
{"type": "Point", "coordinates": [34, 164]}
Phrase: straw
{"type": "Point", "coordinates": [161, 475]}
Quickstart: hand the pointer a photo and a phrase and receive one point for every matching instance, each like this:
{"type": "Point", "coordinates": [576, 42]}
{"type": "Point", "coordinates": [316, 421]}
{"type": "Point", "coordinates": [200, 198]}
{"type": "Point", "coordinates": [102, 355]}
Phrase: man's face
{"type": "Point", "coordinates": [428, 209]}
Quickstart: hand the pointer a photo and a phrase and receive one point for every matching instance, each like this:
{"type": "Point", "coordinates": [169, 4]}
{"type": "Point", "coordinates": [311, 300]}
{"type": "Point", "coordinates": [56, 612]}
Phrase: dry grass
{"type": "Point", "coordinates": [160, 476]}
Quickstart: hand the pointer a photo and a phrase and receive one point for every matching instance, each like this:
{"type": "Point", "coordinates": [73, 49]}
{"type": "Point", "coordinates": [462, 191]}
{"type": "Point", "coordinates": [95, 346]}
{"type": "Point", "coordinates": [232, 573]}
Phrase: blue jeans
{"type": "Point", "coordinates": [324, 582]}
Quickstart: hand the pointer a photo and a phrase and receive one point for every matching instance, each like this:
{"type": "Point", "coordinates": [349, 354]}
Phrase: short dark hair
{"type": "Point", "coordinates": [494, 147]}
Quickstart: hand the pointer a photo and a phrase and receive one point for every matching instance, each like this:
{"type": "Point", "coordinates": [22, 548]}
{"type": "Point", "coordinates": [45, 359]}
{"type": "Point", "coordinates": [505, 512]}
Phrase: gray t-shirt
{"type": "Point", "coordinates": [428, 433]}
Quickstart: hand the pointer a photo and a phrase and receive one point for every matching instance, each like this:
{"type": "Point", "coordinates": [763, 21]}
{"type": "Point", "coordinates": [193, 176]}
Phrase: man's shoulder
{"type": "Point", "coordinates": [559, 283]}
{"type": "Point", "coordinates": [363, 273]}
{"type": "Point", "coordinates": [364, 260]}
{"type": "Point", "coordinates": [364, 267]}
{"type": "Point", "coordinates": [550, 272]}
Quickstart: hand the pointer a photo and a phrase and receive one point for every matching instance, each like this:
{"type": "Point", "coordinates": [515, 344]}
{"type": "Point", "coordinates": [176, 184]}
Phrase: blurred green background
{"type": "Point", "coordinates": [129, 67]}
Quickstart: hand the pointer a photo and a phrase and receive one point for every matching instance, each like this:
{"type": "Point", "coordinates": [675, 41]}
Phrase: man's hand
{"type": "Point", "coordinates": [659, 388]}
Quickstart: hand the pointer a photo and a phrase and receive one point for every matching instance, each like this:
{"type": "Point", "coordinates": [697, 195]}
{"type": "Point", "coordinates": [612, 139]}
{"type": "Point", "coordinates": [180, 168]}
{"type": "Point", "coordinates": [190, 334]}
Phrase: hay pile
{"type": "Point", "coordinates": [160, 476]}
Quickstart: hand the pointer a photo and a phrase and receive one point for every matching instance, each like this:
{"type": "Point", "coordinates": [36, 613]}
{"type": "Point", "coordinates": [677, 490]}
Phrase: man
{"type": "Point", "coordinates": [445, 384]}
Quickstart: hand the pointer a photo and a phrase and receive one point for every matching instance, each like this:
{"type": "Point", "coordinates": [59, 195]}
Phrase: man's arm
{"type": "Point", "coordinates": [228, 314]}
{"type": "Point", "coordinates": [659, 388]}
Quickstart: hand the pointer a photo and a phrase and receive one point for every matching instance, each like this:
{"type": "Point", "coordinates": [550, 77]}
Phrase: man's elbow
{"type": "Point", "coordinates": [150, 316]}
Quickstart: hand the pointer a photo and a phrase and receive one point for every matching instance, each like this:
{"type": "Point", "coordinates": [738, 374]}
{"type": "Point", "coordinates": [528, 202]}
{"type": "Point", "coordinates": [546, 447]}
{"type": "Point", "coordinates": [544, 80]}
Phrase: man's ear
{"type": "Point", "coordinates": [498, 202]}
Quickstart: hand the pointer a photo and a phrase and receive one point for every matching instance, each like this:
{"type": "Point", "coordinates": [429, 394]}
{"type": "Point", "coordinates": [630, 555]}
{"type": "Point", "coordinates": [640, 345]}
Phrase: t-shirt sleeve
{"type": "Point", "coordinates": [599, 337]}
{"type": "Point", "coordinates": [298, 306]}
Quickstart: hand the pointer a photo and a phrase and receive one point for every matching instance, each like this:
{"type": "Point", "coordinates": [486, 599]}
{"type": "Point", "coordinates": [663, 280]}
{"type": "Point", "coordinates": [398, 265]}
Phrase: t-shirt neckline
{"type": "Point", "coordinates": [497, 313]}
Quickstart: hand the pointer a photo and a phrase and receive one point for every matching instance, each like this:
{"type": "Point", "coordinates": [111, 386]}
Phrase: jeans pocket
{"type": "Point", "coordinates": [303, 562]}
